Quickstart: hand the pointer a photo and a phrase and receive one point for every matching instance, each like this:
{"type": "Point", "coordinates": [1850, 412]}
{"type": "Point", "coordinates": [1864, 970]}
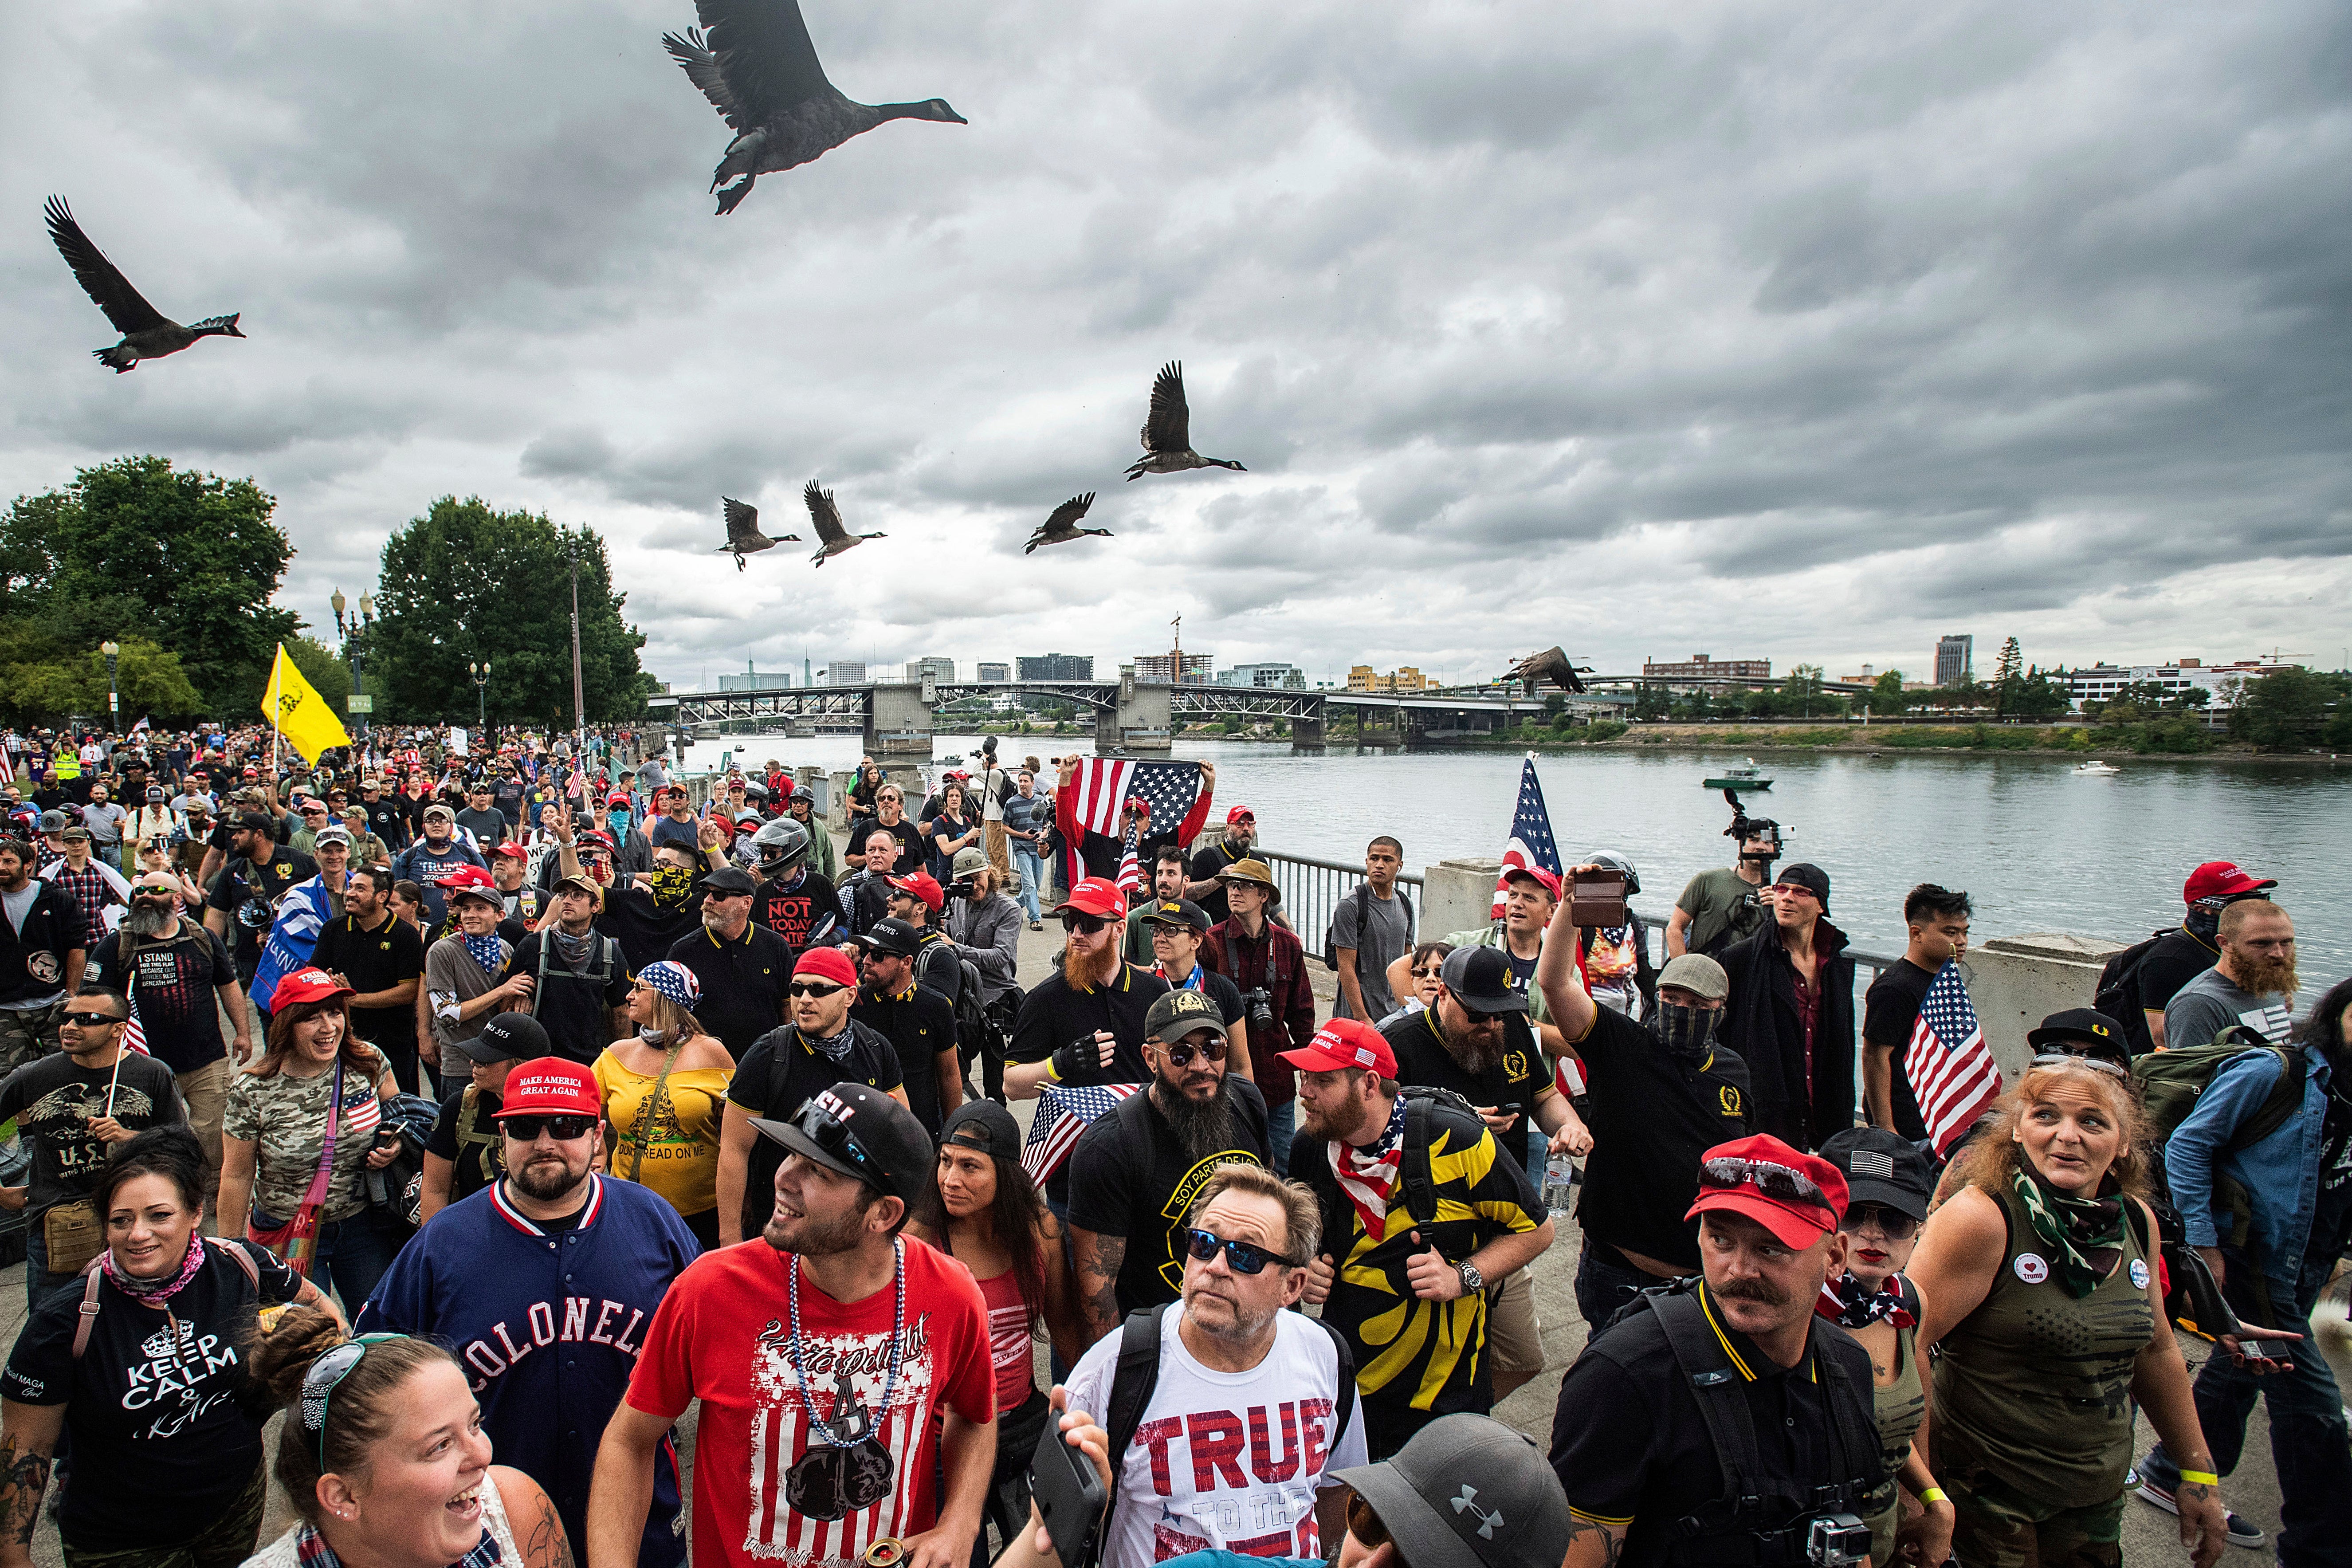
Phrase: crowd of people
{"type": "Point", "coordinates": [507, 1105]}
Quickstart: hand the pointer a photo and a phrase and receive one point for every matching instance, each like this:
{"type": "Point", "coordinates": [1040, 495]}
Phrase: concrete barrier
{"type": "Point", "coordinates": [1458, 895]}
{"type": "Point", "coordinates": [2015, 982]}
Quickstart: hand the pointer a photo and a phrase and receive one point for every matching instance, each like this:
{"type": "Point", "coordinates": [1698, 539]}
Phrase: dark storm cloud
{"type": "Point", "coordinates": [1644, 328]}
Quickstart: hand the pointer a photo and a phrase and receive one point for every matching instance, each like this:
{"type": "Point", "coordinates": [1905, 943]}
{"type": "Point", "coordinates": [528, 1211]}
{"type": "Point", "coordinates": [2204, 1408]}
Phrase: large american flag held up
{"type": "Point", "coordinates": [1101, 786]}
{"type": "Point", "coordinates": [1951, 1073]}
{"type": "Point", "coordinates": [1531, 841]}
{"type": "Point", "coordinates": [1064, 1111]}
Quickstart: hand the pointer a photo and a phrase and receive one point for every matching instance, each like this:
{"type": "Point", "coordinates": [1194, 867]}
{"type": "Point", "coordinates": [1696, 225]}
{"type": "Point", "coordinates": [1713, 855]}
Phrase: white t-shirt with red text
{"type": "Point", "coordinates": [1226, 1459]}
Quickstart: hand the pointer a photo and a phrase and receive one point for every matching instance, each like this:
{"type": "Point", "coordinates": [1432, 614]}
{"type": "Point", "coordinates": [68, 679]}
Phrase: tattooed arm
{"type": "Point", "coordinates": [530, 1513]}
{"type": "Point", "coordinates": [1592, 1544]}
{"type": "Point", "coordinates": [1096, 1259]}
{"type": "Point", "coordinates": [28, 1437]}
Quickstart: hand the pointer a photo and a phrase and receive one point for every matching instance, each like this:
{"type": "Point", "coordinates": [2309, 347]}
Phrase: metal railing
{"type": "Point", "coordinates": [1312, 889]}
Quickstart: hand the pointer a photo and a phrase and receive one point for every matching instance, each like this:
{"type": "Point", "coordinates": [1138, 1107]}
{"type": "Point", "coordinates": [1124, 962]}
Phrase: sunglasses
{"type": "Point", "coordinates": [562, 1129]}
{"type": "Point", "coordinates": [1241, 1257]}
{"type": "Point", "coordinates": [833, 1136]}
{"type": "Point", "coordinates": [1431, 973]}
{"type": "Point", "coordinates": [1083, 925]}
{"type": "Point", "coordinates": [2078, 1059]}
{"type": "Point", "coordinates": [812, 988]}
{"type": "Point", "coordinates": [1181, 1056]}
{"type": "Point", "coordinates": [92, 1020]}
{"type": "Point", "coordinates": [1364, 1524]}
{"type": "Point", "coordinates": [1889, 1223]}
{"type": "Point", "coordinates": [1772, 1180]}
{"type": "Point", "coordinates": [318, 1383]}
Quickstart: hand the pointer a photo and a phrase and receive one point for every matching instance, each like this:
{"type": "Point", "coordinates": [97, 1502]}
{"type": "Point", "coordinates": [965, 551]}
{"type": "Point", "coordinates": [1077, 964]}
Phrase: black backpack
{"type": "Point", "coordinates": [1362, 899]}
{"type": "Point", "coordinates": [2118, 994]}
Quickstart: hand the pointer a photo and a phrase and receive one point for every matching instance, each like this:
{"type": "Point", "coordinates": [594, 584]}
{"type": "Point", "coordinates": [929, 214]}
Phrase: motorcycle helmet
{"type": "Point", "coordinates": [781, 844]}
{"type": "Point", "coordinates": [1619, 863]}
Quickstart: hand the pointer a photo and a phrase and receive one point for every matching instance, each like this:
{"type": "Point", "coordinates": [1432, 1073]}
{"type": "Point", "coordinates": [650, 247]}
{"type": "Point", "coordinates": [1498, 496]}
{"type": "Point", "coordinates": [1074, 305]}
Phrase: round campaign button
{"type": "Point", "coordinates": [2031, 1267]}
{"type": "Point", "coordinates": [2138, 1274]}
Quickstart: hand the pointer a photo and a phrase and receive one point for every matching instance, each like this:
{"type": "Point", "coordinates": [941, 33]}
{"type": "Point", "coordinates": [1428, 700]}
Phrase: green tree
{"type": "Point", "coordinates": [2008, 674]}
{"type": "Point", "coordinates": [465, 584]}
{"type": "Point", "coordinates": [42, 681]}
{"type": "Point", "coordinates": [2285, 710]}
{"type": "Point", "coordinates": [134, 548]}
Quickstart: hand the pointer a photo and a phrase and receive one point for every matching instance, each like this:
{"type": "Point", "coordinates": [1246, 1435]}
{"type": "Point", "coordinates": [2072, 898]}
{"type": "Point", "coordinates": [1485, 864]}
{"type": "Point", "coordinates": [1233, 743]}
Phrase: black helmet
{"type": "Point", "coordinates": [1619, 863]}
{"type": "Point", "coordinates": [780, 844]}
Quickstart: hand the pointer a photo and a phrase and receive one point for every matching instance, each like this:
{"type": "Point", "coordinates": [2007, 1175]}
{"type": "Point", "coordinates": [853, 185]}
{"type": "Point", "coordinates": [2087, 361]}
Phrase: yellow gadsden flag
{"type": "Point", "coordinates": [299, 713]}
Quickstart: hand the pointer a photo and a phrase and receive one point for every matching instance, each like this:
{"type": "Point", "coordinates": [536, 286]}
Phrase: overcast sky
{"type": "Point", "coordinates": [1758, 329]}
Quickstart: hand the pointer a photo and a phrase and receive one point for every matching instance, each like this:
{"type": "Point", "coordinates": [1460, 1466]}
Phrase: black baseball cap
{"type": "Point", "coordinates": [861, 1132]}
{"type": "Point", "coordinates": [256, 822]}
{"type": "Point", "coordinates": [508, 1037]}
{"type": "Point", "coordinates": [1467, 1491]}
{"type": "Point", "coordinates": [891, 935]}
{"type": "Point", "coordinates": [2080, 1027]}
{"type": "Point", "coordinates": [983, 1125]}
{"type": "Point", "coordinates": [1810, 877]}
{"type": "Point", "coordinates": [1881, 1167]}
{"type": "Point", "coordinates": [1177, 912]}
{"type": "Point", "coordinates": [1480, 979]}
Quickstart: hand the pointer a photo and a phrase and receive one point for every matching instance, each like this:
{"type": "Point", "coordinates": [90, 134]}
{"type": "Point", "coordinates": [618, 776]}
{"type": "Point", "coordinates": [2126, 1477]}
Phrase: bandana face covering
{"type": "Point", "coordinates": [155, 1292]}
{"type": "Point", "coordinates": [671, 885]}
{"type": "Point", "coordinates": [1687, 1033]}
{"type": "Point", "coordinates": [2083, 1234]}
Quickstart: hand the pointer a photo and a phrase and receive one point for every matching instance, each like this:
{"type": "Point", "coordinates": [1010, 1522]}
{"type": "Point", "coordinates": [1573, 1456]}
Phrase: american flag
{"type": "Point", "coordinates": [134, 1033]}
{"type": "Point", "coordinates": [1531, 842]}
{"type": "Point", "coordinates": [1952, 1075]}
{"type": "Point", "coordinates": [1131, 873]}
{"type": "Point", "coordinates": [1101, 785]}
{"type": "Point", "coordinates": [1064, 1111]}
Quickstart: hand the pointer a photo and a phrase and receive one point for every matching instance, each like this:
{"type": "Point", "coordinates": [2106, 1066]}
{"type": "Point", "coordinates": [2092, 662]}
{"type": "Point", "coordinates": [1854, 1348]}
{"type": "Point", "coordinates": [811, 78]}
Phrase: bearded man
{"type": "Point", "coordinates": [172, 968]}
{"type": "Point", "coordinates": [2251, 983]}
{"type": "Point", "coordinates": [544, 1283]}
{"type": "Point", "coordinates": [1138, 1170]}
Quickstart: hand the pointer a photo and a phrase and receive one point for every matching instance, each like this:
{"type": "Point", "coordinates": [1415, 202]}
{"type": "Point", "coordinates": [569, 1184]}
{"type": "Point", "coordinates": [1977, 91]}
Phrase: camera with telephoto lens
{"type": "Point", "coordinates": [1258, 1005]}
{"type": "Point", "coordinates": [964, 886]}
{"type": "Point", "coordinates": [1839, 1540]}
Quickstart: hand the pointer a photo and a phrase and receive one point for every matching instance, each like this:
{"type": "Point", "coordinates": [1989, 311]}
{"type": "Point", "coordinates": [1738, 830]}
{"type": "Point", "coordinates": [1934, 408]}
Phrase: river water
{"type": "Point", "coordinates": [2036, 847]}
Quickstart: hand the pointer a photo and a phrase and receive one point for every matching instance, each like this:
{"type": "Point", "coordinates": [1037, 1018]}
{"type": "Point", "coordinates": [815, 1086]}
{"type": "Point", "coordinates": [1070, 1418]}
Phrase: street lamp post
{"type": "Point", "coordinates": [481, 674]}
{"type": "Point", "coordinates": [353, 632]}
{"type": "Point", "coordinates": [113, 652]}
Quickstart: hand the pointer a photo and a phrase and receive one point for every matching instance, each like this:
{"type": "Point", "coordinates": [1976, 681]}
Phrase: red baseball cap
{"type": "Point", "coordinates": [1752, 1176]}
{"type": "Point", "coordinates": [924, 885]}
{"type": "Point", "coordinates": [2220, 879]}
{"type": "Point", "coordinates": [1241, 813]}
{"type": "Point", "coordinates": [472, 879]}
{"type": "Point", "coordinates": [1140, 804]}
{"type": "Point", "coordinates": [306, 985]}
{"type": "Point", "coordinates": [512, 851]}
{"type": "Point", "coordinates": [618, 797]}
{"type": "Point", "coordinates": [550, 1086]}
{"type": "Point", "coordinates": [827, 964]}
{"type": "Point", "coordinates": [1096, 896]}
{"type": "Point", "coordinates": [597, 836]}
{"type": "Point", "coordinates": [1535, 874]}
{"type": "Point", "coordinates": [1345, 1043]}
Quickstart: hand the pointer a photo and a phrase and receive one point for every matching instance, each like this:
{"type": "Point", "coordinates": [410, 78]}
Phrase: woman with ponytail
{"type": "Point", "coordinates": [665, 1096]}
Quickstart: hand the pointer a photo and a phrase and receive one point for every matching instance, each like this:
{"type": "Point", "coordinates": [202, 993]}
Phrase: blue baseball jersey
{"type": "Point", "coordinates": [549, 1326]}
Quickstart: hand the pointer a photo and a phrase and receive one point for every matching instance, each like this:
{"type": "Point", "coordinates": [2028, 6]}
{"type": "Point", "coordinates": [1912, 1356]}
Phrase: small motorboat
{"type": "Point", "coordinates": [1750, 777]}
{"type": "Point", "coordinates": [2095, 769]}
{"type": "Point", "coordinates": [952, 757]}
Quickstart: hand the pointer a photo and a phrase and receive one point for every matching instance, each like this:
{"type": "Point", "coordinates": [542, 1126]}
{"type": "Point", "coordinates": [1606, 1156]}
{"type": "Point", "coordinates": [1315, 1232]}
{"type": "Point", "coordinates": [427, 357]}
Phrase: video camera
{"type": "Point", "coordinates": [1745, 827]}
{"type": "Point", "coordinates": [965, 887]}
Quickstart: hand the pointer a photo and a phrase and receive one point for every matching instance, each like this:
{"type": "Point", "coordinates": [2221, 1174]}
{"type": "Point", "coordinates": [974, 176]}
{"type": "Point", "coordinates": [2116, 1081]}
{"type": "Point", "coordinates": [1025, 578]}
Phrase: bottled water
{"type": "Point", "coordinates": [1559, 1189]}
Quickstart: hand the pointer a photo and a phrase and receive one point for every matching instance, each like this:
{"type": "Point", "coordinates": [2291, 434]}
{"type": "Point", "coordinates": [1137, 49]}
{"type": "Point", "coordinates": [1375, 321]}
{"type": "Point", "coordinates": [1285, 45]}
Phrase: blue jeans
{"type": "Point", "coordinates": [1032, 873]}
{"type": "Point", "coordinates": [352, 1256]}
{"type": "Point", "coordinates": [1281, 1127]}
{"type": "Point", "coordinates": [2309, 1445]}
{"type": "Point", "coordinates": [1602, 1287]}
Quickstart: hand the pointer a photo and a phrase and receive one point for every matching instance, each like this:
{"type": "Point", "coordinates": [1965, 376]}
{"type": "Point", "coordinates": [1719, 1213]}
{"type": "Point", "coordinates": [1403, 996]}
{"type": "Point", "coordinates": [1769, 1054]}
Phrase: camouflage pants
{"type": "Point", "coordinates": [223, 1543]}
{"type": "Point", "coordinates": [28, 1033]}
{"type": "Point", "coordinates": [1997, 1529]}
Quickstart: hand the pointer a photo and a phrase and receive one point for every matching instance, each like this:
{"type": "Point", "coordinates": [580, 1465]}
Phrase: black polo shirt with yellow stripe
{"type": "Point", "coordinates": [1652, 1116]}
{"type": "Point", "coordinates": [742, 980]}
{"type": "Point", "coordinates": [1056, 1013]}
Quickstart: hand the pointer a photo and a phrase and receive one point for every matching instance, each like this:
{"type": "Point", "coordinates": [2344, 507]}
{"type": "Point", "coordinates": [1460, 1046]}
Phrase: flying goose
{"type": "Point", "coordinates": [759, 70]}
{"type": "Point", "coordinates": [1549, 665]}
{"type": "Point", "coordinates": [1166, 434]}
{"type": "Point", "coordinates": [743, 535]}
{"type": "Point", "coordinates": [147, 332]}
{"type": "Point", "coordinates": [1062, 527]}
{"type": "Point", "coordinates": [828, 518]}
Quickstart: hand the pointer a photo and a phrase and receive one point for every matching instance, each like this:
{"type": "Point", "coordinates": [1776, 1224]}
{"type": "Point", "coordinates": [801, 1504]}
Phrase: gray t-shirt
{"type": "Point", "coordinates": [104, 820]}
{"type": "Point", "coordinates": [451, 976]}
{"type": "Point", "coordinates": [1381, 935]}
{"type": "Point", "coordinates": [2211, 1003]}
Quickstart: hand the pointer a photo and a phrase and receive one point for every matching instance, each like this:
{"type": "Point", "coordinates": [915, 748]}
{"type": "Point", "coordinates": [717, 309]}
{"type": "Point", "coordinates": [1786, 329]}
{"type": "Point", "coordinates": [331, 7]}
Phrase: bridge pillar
{"type": "Point", "coordinates": [898, 723]}
{"type": "Point", "coordinates": [1144, 718]}
{"type": "Point", "coordinates": [1307, 734]}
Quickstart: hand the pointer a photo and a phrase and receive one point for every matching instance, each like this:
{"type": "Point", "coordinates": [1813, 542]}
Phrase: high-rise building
{"type": "Point", "coordinates": [1055, 667]}
{"type": "Point", "coordinates": [1265, 675]}
{"type": "Point", "coordinates": [1161, 668]}
{"type": "Point", "coordinates": [995, 672]}
{"type": "Point", "coordinates": [1954, 655]}
{"type": "Point", "coordinates": [845, 672]}
{"type": "Point", "coordinates": [936, 668]}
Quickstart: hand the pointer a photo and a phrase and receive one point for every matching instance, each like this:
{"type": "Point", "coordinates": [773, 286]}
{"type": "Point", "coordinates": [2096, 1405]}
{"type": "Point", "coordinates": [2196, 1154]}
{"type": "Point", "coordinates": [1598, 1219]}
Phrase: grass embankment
{"type": "Point", "coordinates": [2171, 737]}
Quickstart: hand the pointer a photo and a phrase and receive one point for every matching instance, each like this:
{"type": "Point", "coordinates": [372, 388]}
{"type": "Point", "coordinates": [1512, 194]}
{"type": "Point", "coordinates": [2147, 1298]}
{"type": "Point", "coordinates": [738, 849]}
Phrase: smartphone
{"type": "Point", "coordinates": [1068, 1493]}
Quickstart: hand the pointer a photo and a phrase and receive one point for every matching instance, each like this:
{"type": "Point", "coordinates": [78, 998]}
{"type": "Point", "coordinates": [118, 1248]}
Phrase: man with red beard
{"type": "Point", "coordinates": [2252, 983]}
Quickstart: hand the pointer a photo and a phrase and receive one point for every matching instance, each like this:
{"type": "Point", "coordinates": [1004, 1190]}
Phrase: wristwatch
{"type": "Point", "coordinates": [1472, 1281]}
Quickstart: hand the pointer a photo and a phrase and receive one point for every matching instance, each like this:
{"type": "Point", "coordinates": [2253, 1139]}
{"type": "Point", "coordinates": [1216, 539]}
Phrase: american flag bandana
{"type": "Point", "coordinates": [1367, 1175]}
{"type": "Point", "coordinates": [1844, 1301]}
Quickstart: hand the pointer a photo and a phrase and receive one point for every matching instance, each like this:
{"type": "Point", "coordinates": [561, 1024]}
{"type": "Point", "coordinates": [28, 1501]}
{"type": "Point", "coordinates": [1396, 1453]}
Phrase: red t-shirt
{"type": "Point", "coordinates": [723, 1335]}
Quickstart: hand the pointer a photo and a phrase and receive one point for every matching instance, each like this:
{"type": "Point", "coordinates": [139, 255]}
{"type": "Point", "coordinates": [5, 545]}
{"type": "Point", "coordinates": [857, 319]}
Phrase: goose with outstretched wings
{"type": "Point", "coordinates": [147, 332]}
{"type": "Point", "coordinates": [1167, 432]}
{"type": "Point", "coordinates": [832, 538]}
{"type": "Point", "coordinates": [1063, 526]}
{"type": "Point", "coordinates": [743, 535]}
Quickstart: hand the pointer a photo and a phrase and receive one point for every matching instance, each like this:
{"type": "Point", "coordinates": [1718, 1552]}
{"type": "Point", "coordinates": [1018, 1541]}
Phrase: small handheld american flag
{"type": "Point", "coordinates": [1064, 1111]}
{"type": "Point", "coordinates": [1531, 841]}
{"type": "Point", "coordinates": [1951, 1073]}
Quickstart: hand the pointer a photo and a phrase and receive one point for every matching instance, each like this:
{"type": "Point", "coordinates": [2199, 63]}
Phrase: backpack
{"type": "Point", "coordinates": [94, 1271]}
{"type": "Point", "coordinates": [1413, 1178]}
{"type": "Point", "coordinates": [1362, 899]}
{"type": "Point", "coordinates": [2171, 1082]}
{"type": "Point", "coordinates": [2118, 994]}
{"type": "Point", "coordinates": [1138, 1375]}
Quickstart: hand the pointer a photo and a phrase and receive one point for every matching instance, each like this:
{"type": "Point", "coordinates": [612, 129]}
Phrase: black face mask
{"type": "Point", "coordinates": [1687, 1033]}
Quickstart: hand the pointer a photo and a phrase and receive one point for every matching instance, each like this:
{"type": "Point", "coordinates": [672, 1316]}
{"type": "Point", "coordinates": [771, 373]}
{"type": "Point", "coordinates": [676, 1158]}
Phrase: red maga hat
{"type": "Point", "coordinates": [552, 1086]}
{"type": "Point", "coordinates": [1096, 896]}
{"type": "Point", "coordinates": [1800, 1198]}
{"type": "Point", "coordinates": [924, 885]}
{"type": "Point", "coordinates": [2220, 879]}
{"type": "Point", "coordinates": [1345, 1043]}
{"type": "Point", "coordinates": [306, 985]}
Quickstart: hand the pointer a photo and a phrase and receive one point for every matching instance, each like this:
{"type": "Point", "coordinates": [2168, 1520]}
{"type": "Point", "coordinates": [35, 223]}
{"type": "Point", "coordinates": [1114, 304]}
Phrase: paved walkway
{"type": "Point", "coordinates": [2148, 1535]}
